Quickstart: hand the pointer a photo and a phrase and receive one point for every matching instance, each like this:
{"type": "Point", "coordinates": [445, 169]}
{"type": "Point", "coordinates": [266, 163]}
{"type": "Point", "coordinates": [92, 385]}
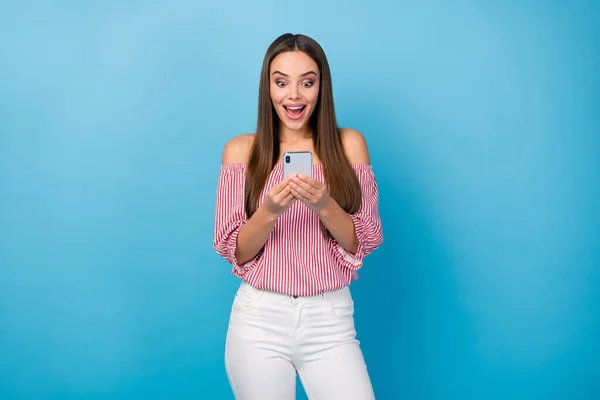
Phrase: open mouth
{"type": "Point", "coordinates": [294, 112]}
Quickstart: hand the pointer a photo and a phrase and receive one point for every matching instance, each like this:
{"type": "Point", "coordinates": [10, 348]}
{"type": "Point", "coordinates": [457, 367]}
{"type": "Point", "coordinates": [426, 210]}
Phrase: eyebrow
{"type": "Point", "coordinates": [303, 75]}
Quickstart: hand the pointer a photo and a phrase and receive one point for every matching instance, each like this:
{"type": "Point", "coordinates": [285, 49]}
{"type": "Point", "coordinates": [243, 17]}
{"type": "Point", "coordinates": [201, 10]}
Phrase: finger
{"type": "Point", "coordinates": [310, 190]}
{"type": "Point", "coordinates": [300, 196]}
{"type": "Point", "coordinates": [278, 190]}
{"type": "Point", "coordinates": [301, 189]}
{"type": "Point", "coordinates": [282, 185]}
{"type": "Point", "coordinates": [289, 200]}
{"type": "Point", "coordinates": [310, 181]}
{"type": "Point", "coordinates": [282, 194]}
{"type": "Point", "coordinates": [310, 186]}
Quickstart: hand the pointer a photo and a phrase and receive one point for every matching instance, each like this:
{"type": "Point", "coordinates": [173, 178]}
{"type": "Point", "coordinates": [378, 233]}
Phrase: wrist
{"type": "Point", "coordinates": [328, 209]}
{"type": "Point", "coordinates": [268, 215]}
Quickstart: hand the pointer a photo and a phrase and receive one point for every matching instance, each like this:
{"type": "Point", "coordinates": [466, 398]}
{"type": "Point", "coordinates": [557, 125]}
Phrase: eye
{"type": "Point", "coordinates": [308, 84]}
{"type": "Point", "coordinates": [280, 83]}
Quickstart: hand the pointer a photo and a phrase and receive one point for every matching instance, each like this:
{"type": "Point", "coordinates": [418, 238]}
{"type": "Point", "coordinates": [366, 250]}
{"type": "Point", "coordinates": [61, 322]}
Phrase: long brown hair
{"type": "Point", "coordinates": [341, 180]}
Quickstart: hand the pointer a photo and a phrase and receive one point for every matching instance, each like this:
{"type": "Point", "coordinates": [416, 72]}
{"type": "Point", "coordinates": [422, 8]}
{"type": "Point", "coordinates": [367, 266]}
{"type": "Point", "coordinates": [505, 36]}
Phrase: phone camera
{"type": "Point", "coordinates": [287, 159]}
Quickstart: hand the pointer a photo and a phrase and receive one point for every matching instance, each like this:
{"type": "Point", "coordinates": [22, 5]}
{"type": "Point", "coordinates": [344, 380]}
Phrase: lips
{"type": "Point", "coordinates": [294, 111]}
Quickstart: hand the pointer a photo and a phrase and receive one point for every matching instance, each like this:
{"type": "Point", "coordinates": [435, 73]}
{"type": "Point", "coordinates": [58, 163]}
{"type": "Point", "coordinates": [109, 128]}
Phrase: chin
{"type": "Point", "coordinates": [295, 126]}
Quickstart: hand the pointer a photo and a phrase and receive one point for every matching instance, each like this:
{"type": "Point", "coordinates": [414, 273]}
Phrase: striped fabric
{"type": "Point", "coordinates": [297, 259]}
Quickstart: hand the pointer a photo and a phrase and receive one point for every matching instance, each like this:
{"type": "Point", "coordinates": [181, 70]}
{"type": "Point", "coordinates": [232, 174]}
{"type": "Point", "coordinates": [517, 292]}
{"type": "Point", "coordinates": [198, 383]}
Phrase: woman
{"type": "Point", "coordinates": [296, 243]}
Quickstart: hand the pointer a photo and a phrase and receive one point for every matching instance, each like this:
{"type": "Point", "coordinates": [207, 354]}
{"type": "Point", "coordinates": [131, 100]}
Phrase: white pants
{"type": "Point", "coordinates": [272, 336]}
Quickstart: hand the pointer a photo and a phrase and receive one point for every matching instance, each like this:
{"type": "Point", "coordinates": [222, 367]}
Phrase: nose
{"type": "Point", "coordinates": [293, 94]}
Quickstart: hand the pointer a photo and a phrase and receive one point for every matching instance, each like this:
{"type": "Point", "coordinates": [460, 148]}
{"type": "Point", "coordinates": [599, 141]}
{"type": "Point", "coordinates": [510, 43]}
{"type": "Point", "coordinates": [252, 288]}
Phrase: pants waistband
{"type": "Point", "coordinates": [250, 290]}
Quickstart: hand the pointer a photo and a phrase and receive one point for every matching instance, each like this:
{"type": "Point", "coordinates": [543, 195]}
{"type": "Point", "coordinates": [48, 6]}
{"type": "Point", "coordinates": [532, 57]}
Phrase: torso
{"type": "Point", "coordinates": [292, 262]}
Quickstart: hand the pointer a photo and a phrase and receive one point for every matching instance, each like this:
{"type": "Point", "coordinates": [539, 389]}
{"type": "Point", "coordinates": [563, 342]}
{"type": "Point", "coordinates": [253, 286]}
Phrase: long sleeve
{"type": "Point", "coordinates": [366, 220]}
{"type": "Point", "coordinates": [230, 216]}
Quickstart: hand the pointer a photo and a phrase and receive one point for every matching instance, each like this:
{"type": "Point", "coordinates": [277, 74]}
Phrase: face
{"type": "Point", "coordinates": [294, 86]}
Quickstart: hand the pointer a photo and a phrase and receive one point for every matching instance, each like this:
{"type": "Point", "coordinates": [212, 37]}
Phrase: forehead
{"type": "Point", "coordinates": [294, 63]}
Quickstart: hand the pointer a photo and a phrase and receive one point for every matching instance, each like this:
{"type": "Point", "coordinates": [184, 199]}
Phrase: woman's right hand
{"type": "Point", "coordinates": [279, 198]}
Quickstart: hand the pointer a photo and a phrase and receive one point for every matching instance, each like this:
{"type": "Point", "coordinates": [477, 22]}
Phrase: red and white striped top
{"type": "Point", "coordinates": [297, 258]}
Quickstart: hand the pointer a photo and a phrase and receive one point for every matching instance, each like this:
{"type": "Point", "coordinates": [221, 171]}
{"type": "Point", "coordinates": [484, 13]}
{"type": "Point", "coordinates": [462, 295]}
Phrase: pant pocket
{"type": "Point", "coordinates": [242, 302]}
{"type": "Point", "coordinates": [341, 308]}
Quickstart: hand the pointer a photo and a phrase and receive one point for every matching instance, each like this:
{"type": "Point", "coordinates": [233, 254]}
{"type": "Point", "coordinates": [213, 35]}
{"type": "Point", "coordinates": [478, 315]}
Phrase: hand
{"type": "Point", "coordinates": [311, 192]}
{"type": "Point", "coordinates": [279, 198]}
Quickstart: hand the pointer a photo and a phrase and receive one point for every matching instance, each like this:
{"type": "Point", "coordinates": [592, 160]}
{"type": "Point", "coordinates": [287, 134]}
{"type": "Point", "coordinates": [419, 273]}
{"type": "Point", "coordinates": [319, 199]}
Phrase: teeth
{"type": "Point", "coordinates": [295, 108]}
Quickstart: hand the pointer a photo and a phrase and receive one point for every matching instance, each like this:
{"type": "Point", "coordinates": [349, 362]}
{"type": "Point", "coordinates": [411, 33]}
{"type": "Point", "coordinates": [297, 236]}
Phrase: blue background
{"type": "Point", "coordinates": [482, 123]}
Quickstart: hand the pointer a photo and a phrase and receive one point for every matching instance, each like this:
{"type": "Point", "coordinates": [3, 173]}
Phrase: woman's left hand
{"type": "Point", "coordinates": [311, 192]}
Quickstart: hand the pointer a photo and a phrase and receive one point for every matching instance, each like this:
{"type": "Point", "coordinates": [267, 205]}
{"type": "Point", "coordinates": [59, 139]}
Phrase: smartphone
{"type": "Point", "coordinates": [297, 162]}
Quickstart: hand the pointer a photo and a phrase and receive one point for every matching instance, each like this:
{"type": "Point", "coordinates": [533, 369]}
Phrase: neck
{"type": "Point", "coordinates": [293, 136]}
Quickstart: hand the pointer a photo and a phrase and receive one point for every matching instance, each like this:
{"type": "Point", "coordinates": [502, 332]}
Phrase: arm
{"type": "Point", "coordinates": [352, 236]}
{"type": "Point", "coordinates": [252, 233]}
{"type": "Point", "coordinates": [339, 223]}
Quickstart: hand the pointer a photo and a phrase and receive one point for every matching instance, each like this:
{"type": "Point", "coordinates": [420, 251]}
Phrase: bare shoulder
{"type": "Point", "coordinates": [237, 149]}
{"type": "Point", "coordinates": [355, 146]}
